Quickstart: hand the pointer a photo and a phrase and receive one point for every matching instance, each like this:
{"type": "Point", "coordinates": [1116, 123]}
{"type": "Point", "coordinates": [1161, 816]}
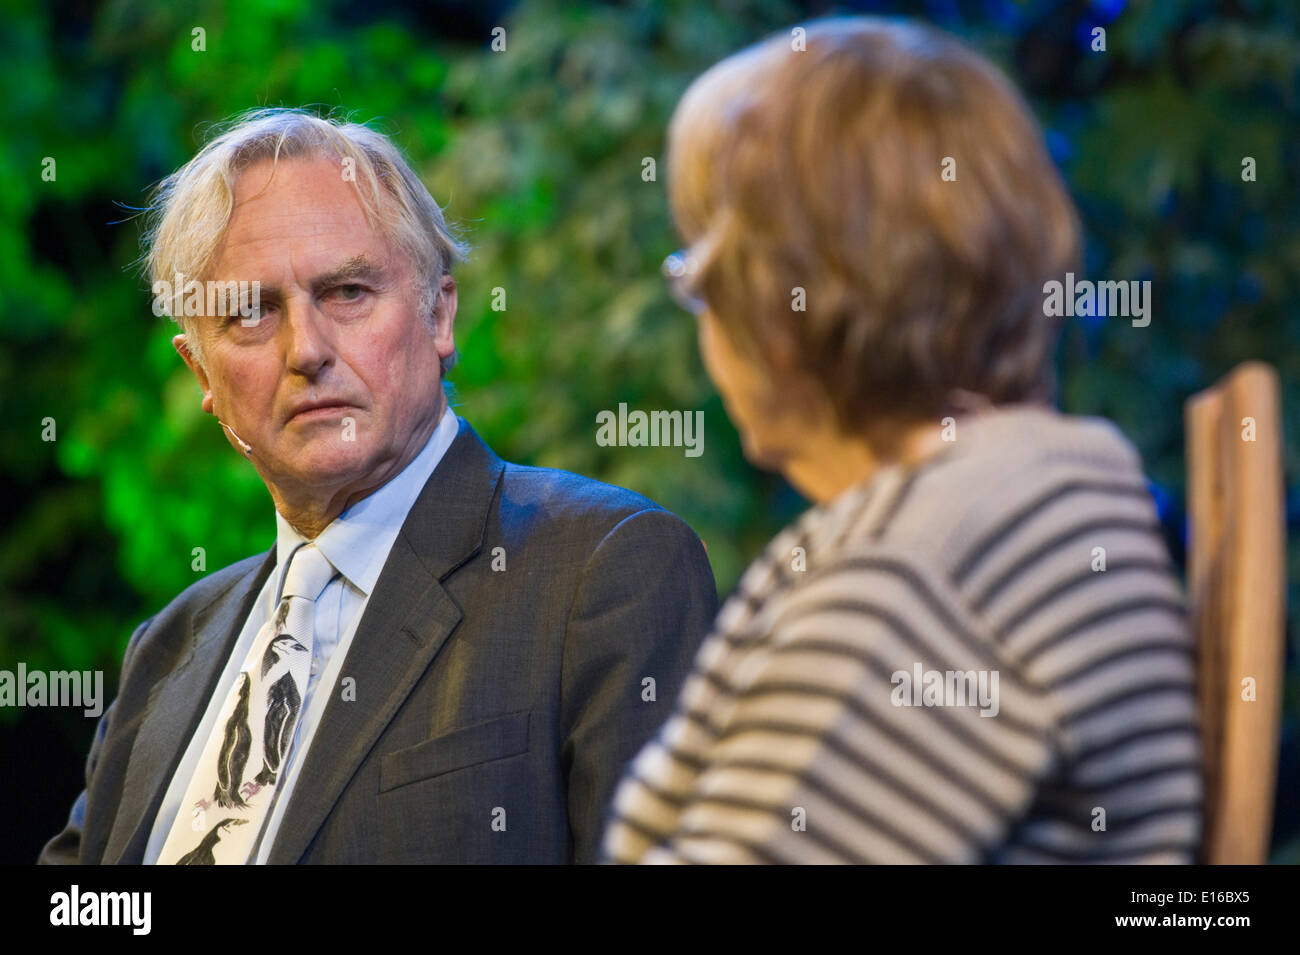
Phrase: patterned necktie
{"type": "Point", "coordinates": [226, 803]}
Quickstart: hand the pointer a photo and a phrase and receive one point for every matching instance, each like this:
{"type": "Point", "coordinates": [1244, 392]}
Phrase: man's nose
{"type": "Point", "coordinates": [309, 347]}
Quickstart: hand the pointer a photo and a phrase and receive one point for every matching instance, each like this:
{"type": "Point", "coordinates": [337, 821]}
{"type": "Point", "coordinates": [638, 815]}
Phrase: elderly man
{"type": "Point", "coordinates": [444, 657]}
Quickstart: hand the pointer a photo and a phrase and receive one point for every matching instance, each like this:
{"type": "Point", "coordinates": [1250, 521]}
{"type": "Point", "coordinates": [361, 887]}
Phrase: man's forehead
{"type": "Point", "coordinates": [306, 218]}
{"type": "Point", "coordinates": [265, 180]}
{"type": "Point", "coordinates": [302, 197]}
{"type": "Point", "coordinates": [317, 266]}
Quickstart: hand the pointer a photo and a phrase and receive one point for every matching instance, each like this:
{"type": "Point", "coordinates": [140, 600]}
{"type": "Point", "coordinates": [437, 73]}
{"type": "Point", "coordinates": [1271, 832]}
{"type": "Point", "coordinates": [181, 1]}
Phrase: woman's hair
{"type": "Point", "coordinates": [813, 164]}
{"type": "Point", "coordinates": [191, 208]}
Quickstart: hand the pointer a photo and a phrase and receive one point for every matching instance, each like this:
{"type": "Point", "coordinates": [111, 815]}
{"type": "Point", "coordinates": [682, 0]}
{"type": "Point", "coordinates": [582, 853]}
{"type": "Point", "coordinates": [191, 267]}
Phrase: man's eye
{"type": "Point", "coordinates": [349, 293]}
{"type": "Point", "coordinates": [247, 315]}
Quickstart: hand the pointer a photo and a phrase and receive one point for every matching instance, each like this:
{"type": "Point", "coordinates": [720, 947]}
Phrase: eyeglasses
{"type": "Point", "coordinates": [679, 271]}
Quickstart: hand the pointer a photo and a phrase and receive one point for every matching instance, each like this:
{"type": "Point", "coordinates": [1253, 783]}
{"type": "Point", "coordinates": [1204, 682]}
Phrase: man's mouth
{"type": "Point", "coordinates": [317, 410]}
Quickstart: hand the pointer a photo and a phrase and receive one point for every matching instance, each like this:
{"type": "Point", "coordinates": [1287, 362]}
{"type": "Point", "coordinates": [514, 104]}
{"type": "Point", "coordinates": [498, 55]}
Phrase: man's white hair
{"type": "Point", "coordinates": [191, 208]}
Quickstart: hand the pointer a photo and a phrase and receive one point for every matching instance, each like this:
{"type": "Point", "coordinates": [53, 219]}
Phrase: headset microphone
{"type": "Point", "coordinates": [244, 445]}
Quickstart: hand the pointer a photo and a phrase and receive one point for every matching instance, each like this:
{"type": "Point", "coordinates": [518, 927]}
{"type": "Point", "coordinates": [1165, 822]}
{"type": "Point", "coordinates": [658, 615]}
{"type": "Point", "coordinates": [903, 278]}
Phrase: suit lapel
{"type": "Point", "coordinates": [406, 621]}
{"type": "Point", "coordinates": [173, 710]}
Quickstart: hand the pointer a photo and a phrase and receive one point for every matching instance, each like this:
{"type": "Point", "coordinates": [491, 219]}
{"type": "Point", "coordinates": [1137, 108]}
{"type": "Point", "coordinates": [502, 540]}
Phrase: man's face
{"type": "Point", "coordinates": [337, 386]}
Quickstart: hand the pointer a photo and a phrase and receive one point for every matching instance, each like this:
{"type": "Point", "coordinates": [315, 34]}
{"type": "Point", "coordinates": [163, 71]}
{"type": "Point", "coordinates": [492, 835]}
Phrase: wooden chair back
{"type": "Point", "coordinates": [1237, 596]}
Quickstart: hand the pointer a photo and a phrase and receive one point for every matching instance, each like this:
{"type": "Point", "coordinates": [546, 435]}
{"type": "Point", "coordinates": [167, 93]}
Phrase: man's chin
{"type": "Point", "coordinates": [325, 462]}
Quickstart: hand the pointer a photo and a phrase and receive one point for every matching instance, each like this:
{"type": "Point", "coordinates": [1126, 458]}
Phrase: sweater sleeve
{"type": "Point", "coordinates": [867, 719]}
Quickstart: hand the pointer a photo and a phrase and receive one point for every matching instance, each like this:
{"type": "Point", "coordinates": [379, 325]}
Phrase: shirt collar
{"type": "Point", "coordinates": [357, 542]}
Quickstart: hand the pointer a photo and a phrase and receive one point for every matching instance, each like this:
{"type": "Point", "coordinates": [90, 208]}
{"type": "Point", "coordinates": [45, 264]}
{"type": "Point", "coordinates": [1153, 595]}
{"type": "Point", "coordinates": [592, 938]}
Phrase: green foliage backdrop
{"type": "Point", "coordinates": [537, 152]}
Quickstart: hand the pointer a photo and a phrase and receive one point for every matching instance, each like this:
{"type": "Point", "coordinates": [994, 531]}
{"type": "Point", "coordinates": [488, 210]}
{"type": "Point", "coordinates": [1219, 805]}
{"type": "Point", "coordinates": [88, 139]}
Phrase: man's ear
{"type": "Point", "coordinates": [183, 349]}
{"type": "Point", "coordinates": [444, 317]}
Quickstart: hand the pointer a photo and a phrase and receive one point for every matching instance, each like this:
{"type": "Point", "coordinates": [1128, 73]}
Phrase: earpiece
{"type": "Point", "coordinates": [244, 445]}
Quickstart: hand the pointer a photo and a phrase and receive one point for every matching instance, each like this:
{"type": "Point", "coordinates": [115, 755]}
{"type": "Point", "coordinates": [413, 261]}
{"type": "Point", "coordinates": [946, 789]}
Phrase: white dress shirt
{"type": "Point", "coordinates": [357, 543]}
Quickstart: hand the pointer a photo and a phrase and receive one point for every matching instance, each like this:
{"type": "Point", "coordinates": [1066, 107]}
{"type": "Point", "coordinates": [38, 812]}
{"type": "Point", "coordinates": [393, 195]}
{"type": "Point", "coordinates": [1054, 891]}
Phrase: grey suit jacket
{"type": "Point", "coordinates": [494, 709]}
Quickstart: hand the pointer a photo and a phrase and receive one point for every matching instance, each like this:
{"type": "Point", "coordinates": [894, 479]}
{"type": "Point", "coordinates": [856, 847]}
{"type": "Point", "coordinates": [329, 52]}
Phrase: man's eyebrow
{"type": "Point", "coordinates": [357, 267]}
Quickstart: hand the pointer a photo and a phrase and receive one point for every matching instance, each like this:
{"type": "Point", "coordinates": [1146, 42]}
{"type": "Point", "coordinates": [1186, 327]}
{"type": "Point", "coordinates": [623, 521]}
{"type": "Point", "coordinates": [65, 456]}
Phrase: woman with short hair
{"type": "Point", "coordinates": [973, 648]}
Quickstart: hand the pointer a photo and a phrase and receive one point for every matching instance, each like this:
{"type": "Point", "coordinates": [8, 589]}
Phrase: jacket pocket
{"type": "Point", "coordinates": [468, 746]}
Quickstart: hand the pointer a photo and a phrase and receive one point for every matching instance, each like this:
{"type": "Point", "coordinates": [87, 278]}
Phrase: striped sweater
{"type": "Point", "coordinates": [984, 658]}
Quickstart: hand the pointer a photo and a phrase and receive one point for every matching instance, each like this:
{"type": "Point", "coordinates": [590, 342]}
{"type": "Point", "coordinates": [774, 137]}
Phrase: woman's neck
{"type": "Point", "coordinates": [830, 461]}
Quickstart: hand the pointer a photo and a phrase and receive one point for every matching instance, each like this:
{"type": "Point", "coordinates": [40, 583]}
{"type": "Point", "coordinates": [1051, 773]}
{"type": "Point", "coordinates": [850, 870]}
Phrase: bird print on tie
{"type": "Point", "coordinates": [234, 751]}
{"type": "Point", "coordinates": [271, 658]}
{"type": "Point", "coordinates": [202, 853]}
{"type": "Point", "coordinates": [262, 712]}
{"type": "Point", "coordinates": [281, 617]}
{"type": "Point", "coordinates": [283, 704]}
